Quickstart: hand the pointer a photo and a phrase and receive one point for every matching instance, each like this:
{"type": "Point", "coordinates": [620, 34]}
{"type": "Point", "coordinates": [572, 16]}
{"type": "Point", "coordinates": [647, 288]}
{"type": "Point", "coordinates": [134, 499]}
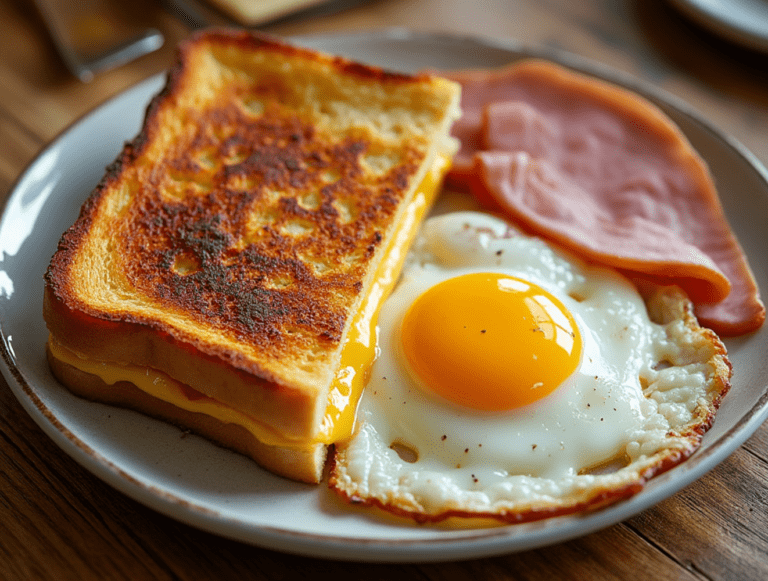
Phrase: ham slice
{"type": "Point", "coordinates": [605, 173]}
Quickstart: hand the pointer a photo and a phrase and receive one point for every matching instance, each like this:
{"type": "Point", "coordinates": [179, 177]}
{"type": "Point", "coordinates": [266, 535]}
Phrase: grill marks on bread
{"type": "Point", "coordinates": [260, 225]}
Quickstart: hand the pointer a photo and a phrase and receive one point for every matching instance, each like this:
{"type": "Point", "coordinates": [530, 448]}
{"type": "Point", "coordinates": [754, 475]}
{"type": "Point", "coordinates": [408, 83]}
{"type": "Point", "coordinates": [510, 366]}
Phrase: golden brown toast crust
{"type": "Point", "coordinates": [305, 464]}
{"type": "Point", "coordinates": [232, 240]}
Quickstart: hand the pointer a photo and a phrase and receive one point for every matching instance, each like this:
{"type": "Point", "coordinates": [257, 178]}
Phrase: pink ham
{"type": "Point", "coordinates": [608, 175]}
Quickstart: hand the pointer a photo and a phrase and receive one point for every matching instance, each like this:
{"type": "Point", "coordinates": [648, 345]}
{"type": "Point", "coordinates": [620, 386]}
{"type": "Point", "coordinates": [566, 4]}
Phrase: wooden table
{"type": "Point", "coordinates": [57, 521]}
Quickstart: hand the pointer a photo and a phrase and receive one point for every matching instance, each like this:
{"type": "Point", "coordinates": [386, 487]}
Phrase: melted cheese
{"type": "Point", "coordinates": [358, 352]}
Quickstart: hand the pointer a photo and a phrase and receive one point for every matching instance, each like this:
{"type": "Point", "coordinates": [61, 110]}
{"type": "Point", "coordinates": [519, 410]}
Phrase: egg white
{"type": "Point", "coordinates": [637, 383]}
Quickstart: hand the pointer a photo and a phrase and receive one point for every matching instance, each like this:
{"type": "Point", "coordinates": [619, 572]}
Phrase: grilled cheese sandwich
{"type": "Point", "coordinates": [231, 263]}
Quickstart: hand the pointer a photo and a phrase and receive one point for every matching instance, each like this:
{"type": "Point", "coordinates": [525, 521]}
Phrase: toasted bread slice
{"type": "Point", "coordinates": [238, 248]}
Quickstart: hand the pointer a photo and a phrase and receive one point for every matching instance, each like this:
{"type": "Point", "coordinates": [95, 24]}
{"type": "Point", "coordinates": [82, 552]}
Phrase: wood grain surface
{"type": "Point", "coordinates": [59, 522]}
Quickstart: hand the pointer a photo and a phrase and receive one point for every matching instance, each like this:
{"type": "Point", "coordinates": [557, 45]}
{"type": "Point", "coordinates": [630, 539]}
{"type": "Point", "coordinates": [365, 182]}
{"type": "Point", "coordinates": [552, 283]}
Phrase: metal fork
{"type": "Point", "coordinates": [91, 38]}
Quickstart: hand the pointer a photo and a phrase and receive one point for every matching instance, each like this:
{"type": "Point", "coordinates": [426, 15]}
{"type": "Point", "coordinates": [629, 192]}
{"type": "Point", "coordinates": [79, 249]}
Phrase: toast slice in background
{"type": "Point", "coordinates": [256, 12]}
{"type": "Point", "coordinates": [226, 272]}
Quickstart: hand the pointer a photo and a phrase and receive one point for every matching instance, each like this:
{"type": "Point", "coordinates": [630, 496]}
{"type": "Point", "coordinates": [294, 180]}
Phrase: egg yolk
{"type": "Point", "coordinates": [489, 341]}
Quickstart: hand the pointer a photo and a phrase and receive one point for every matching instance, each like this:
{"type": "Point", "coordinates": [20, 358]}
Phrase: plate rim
{"type": "Point", "coordinates": [711, 17]}
{"type": "Point", "coordinates": [459, 544]}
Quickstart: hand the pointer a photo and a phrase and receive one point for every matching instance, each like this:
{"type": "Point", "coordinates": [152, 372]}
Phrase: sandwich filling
{"type": "Point", "coordinates": [358, 352]}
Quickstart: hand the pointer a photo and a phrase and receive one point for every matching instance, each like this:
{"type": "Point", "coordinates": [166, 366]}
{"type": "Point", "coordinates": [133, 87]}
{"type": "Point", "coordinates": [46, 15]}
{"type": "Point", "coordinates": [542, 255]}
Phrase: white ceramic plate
{"type": "Point", "coordinates": [741, 21]}
{"type": "Point", "coordinates": [219, 491]}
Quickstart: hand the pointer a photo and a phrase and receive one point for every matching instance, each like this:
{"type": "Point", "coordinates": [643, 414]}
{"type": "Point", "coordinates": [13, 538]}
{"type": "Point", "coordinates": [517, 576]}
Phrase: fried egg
{"type": "Point", "coordinates": [516, 382]}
